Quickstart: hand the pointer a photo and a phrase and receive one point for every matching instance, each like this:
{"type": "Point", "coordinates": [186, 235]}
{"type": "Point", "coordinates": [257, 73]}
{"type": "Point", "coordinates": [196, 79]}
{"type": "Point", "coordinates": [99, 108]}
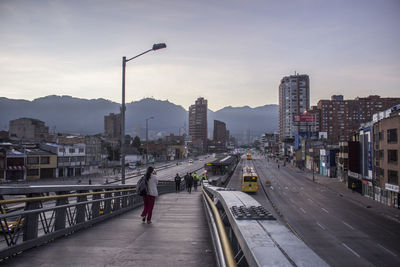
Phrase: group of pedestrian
{"type": "Point", "coordinates": [152, 192]}
{"type": "Point", "coordinates": [191, 180]}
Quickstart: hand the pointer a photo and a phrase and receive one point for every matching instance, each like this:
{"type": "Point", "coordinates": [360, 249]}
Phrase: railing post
{"type": "Point", "coordinates": [60, 214]}
{"type": "Point", "coordinates": [31, 220]}
{"type": "Point", "coordinates": [124, 199]}
{"type": "Point", "coordinates": [131, 198]}
{"type": "Point", "coordinates": [107, 203]}
{"type": "Point", "coordinates": [117, 201]}
{"type": "Point", "coordinates": [81, 208]}
{"type": "Point", "coordinates": [96, 205]}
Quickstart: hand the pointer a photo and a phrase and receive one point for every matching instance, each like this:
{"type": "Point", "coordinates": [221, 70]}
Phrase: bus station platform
{"type": "Point", "coordinates": [178, 236]}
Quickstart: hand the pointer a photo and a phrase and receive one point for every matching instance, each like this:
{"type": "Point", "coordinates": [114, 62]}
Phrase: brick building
{"type": "Point", "coordinates": [220, 135]}
{"type": "Point", "coordinates": [198, 123]}
{"type": "Point", "coordinates": [386, 159]}
{"type": "Point", "coordinates": [340, 118]}
{"type": "Point", "coordinates": [112, 126]}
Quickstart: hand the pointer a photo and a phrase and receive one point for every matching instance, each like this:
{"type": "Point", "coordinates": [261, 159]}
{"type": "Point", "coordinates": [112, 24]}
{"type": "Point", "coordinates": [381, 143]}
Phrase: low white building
{"type": "Point", "coordinates": [70, 158]}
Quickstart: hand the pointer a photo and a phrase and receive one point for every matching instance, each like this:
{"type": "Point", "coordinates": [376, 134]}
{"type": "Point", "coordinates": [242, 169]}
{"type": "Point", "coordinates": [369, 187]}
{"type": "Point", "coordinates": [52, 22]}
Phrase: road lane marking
{"type": "Point", "coordinates": [355, 253]}
{"type": "Point", "coordinates": [310, 200]}
{"type": "Point", "coordinates": [303, 210]}
{"type": "Point", "coordinates": [348, 225]}
{"type": "Point", "coordinates": [320, 225]}
{"type": "Point", "coordinates": [325, 210]}
{"type": "Point", "coordinates": [291, 200]}
{"type": "Point", "coordinates": [387, 250]}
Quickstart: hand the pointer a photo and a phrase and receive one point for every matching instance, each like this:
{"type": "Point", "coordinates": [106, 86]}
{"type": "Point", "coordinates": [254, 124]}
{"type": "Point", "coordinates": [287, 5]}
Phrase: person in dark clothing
{"type": "Point", "coordinates": [189, 183]}
{"type": "Point", "coordinates": [195, 180]}
{"type": "Point", "coordinates": [177, 183]}
{"type": "Point", "coordinates": [186, 180]}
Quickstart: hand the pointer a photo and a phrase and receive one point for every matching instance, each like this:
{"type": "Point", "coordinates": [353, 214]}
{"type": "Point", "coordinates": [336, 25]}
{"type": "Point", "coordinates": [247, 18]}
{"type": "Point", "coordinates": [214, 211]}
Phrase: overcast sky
{"type": "Point", "coordinates": [231, 52]}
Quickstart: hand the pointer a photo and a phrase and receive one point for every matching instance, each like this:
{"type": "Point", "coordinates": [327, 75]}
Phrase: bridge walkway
{"type": "Point", "coordinates": [178, 236]}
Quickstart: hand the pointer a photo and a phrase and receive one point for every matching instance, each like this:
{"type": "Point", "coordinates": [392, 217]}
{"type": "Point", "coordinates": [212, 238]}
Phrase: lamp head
{"type": "Point", "coordinates": [159, 46]}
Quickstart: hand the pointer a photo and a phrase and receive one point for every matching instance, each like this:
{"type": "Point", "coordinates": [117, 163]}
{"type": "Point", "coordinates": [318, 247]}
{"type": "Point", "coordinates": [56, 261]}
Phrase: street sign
{"type": "Point", "coordinates": [304, 118]}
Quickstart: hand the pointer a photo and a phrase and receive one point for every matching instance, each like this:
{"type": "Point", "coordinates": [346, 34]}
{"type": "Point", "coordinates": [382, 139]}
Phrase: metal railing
{"type": "Point", "coordinates": [34, 215]}
{"type": "Point", "coordinates": [222, 245]}
{"type": "Point", "coordinates": [255, 237]}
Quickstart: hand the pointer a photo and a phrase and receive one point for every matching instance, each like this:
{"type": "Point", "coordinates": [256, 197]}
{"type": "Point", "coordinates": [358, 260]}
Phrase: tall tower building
{"type": "Point", "coordinates": [198, 122]}
{"type": "Point", "coordinates": [112, 125]}
{"type": "Point", "coordinates": [294, 99]}
{"type": "Point", "coordinates": [220, 134]}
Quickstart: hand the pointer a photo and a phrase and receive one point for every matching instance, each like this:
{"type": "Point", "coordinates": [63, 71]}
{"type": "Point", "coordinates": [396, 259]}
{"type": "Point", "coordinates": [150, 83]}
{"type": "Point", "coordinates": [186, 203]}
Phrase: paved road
{"type": "Point", "coordinates": [337, 229]}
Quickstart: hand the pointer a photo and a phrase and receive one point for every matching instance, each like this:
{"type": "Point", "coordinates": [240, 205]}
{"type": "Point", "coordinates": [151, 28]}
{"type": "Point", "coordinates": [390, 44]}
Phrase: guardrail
{"type": "Point", "coordinates": [34, 215]}
{"type": "Point", "coordinates": [256, 237]}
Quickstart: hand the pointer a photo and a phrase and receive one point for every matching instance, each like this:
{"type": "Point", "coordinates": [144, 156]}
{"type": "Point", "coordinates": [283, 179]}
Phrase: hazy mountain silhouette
{"type": "Point", "coordinates": [76, 115]}
{"type": "Point", "coordinates": [239, 119]}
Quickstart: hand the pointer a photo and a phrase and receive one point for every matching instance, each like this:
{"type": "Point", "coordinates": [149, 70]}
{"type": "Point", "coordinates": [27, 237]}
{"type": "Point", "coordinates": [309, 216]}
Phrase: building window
{"type": "Point", "coordinates": [393, 177]}
{"type": "Point", "coordinates": [392, 136]}
{"type": "Point", "coordinates": [72, 150]}
{"type": "Point", "coordinates": [44, 160]}
{"type": "Point", "coordinates": [379, 172]}
{"type": "Point", "coordinates": [392, 156]}
{"type": "Point", "coordinates": [61, 150]}
{"type": "Point", "coordinates": [80, 150]}
{"type": "Point", "coordinates": [380, 136]}
{"type": "Point", "coordinates": [33, 172]}
{"type": "Point", "coordinates": [33, 160]}
{"type": "Point", "coordinates": [63, 159]}
{"type": "Point", "coordinates": [381, 155]}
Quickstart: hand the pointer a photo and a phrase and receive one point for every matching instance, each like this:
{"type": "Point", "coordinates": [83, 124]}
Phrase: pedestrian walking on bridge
{"type": "Point", "coordinates": [189, 182]}
{"type": "Point", "coordinates": [195, 180]}
{"type": "Point", "coordinates": [203, 178]}
{"type": "Point", "coordinates": [177, 183]}
{"type": "Point", "coordinates": [152, 193]}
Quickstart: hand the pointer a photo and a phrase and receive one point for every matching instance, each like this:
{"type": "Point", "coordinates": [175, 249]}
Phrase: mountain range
{"type": "Point", "coordinates": [84, 116]}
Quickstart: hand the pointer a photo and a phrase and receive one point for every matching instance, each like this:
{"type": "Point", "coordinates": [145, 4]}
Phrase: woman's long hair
{"type": "Point", "coordinates": [149, 172]}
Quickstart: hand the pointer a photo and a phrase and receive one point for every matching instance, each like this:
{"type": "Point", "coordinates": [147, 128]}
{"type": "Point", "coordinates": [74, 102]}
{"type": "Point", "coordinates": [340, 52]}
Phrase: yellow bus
{"type": "Point", "coordinates": [249, 180]}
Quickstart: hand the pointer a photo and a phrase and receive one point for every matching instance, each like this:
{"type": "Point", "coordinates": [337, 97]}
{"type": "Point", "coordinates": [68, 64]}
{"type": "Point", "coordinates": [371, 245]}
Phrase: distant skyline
{"type": "Point", "coordinates": [233, 53]}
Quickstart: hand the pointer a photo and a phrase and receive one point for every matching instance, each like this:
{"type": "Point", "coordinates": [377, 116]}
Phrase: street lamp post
{"type": "Point", "coordinates": [124, 61]}
{"type": "Point", "coordinates": [147, 139]}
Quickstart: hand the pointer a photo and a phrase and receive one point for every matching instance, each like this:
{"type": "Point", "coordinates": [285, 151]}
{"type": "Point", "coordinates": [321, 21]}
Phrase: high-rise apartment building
{"type": "Point", "coordinates": [28, 129]}
{"type": "Point", "coordinates": [198, 122]}
{"type": "Point", "coordinates": [339, 118]}
{"type": "Point", "coordinates": [220, 134]}
{"type": "Point", "coordinates": [112, 125]}
{"type": "Point", "coordinates": [294, 99]}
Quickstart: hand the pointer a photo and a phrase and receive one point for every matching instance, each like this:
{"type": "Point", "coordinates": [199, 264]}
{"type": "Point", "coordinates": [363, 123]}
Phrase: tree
{"type": "Point", "coordinates": [136, 142]}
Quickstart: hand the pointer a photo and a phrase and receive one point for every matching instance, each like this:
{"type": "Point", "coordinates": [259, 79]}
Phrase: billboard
{"type": "Point", "coordinates": [304, 118]}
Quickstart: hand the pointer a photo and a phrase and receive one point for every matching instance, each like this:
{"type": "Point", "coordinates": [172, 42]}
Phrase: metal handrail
{"type": "Point", "coordinates": [226, 245]}
{"type": "Point", "coordinates": [26, 212]}
{"type": "Point", "coordinates": [33, 199]}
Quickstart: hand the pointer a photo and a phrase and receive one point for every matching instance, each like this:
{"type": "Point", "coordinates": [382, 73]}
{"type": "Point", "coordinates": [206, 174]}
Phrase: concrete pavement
{"type": "Point", "coordinates": [178, 236]}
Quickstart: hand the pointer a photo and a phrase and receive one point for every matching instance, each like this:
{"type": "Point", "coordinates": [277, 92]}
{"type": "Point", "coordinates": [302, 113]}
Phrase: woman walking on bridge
{"type": "Point", "coordinates": [152, 193]}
